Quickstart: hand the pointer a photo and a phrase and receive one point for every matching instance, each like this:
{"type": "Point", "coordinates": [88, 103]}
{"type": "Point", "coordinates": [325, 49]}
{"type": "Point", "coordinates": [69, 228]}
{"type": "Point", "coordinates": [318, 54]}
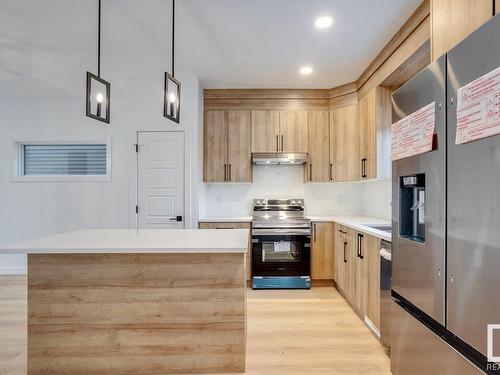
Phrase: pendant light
{"type": "Point", "coordinates": [98, 90]}
{"type": "Point", "coordinates": [172, 88]}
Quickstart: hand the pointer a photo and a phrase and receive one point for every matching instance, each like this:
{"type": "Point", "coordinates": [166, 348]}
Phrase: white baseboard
{"type": "Point", "coordinates": [370, 325]}
{"type": "Point", "coordinates": [13, 271]}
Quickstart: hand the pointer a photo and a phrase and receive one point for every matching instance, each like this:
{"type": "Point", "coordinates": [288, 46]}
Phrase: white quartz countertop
{"type": "Point", "coordinates": [225, 219]}
{"type": "Point", "coordinates": [359, 223]}
{"type": "Point", "coordinates": [136, 241]}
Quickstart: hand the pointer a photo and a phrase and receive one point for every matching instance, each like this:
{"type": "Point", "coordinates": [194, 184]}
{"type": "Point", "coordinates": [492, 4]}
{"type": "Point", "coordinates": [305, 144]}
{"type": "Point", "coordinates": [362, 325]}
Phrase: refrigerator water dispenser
{"type": "Point", "coordinates": [412, 207]}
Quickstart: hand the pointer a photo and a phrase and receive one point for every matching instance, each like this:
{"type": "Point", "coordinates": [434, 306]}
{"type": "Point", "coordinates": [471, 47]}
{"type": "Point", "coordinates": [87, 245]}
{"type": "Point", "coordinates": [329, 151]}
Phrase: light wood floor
{"type": "Point", "coordinates": [289, 332]}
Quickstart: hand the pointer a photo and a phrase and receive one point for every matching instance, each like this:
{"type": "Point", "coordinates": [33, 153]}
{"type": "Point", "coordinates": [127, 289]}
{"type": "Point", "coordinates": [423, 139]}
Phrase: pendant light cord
{"type": "Point", "coordinates": [173, 36]}
{"type": "Point", "coordinates": [99, 41]}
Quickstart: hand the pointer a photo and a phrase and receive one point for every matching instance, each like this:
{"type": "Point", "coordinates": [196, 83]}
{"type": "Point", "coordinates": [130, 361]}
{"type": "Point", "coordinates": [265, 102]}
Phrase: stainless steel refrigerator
{"type": "Point", "coordinates": [446, 221]}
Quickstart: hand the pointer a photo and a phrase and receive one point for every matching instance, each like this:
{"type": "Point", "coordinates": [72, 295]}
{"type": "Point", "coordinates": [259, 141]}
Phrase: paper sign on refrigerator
{"type": "Point", "coordinates": [478, 108]}
{"type": "Point", "coordinates": [413, 134]}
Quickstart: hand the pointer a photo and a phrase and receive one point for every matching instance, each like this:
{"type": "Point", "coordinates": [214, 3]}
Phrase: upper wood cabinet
{"type": "Point", "coordinates": [265, 131]}
{"type": "Point", "coordinates": [374, 122]}
{"type": "Point", "coordinates": [239, 145]}
{"type": "Point", "coordinates": [318, 169]}
{"type": "Point", "coordinates": [344, 144]}
{"type": "Point", "coordinates": [350, 142]}
{"type": "Point", "coordinates": [322, 253]}
{"type": "Point", "coordinates": [453, 20]}
{"type": "Point", "coordinates": [293, 131]}
{"type": "Point", "coordinates": [215, 146]}
{"type": "Point", "coordinates": [279, 131]}
{"type": "Point", "coordinates": [227, 146]}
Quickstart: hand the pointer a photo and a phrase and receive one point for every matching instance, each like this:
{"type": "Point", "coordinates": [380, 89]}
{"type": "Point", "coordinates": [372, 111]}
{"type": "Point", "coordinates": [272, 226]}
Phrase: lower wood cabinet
{"type": "Point", "coordinates": [357, 271]}
{"type": "Point", "coordinates": [360, 297]}
{"type": "Point", "coordinates": [322, 251]}
{"type": "Point", "coordinates": [212, 225]}
{"type": "Point", "coordinates": [344, 260]}
{"type": "Point", "coordinates": [373, 304]}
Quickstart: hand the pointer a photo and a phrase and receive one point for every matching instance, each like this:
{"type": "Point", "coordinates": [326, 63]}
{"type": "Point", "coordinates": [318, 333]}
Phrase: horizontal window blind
{"type": "Point", "coordinates": [64, 159]}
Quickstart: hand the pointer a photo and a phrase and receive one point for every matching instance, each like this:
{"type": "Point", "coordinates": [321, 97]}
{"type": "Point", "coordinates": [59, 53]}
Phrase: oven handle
{"type": "Point", "coordinates": [281, 232]}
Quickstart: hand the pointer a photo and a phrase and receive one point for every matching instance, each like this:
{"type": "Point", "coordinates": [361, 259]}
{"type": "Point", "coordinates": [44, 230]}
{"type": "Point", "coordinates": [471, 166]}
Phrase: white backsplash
{"type": "Point", "coordinates": [282, 182]}
{"type": "Point", "coordinates": [377, 198]}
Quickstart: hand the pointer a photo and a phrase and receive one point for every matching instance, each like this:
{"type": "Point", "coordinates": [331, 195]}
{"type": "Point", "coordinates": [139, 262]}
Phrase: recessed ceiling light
{"type": "Point", "coordinates": [306, 70]}
{"type": "Point", "coordinates": [323, 22]}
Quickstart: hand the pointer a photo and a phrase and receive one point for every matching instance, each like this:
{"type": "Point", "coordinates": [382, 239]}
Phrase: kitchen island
{"type": "Point", "coordinates": [136, 301]}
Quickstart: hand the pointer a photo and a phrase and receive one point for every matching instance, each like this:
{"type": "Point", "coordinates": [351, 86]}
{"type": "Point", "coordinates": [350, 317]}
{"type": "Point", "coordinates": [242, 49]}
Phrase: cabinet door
{"type": "Point", "coordinates": [239, 141]}
{"type": "Point", "coordinates": [351, 263]}
{"type": "Point", "coordinates": [293, 131]}
{"type": "Point", "coordinates": [360, 298]}
{"type": "Point", "coordinates": [344, 144]}
{"type": "Point", "coordinates": [373, 253]}
{"type": "Point", "coordinates": [341, 256]}
{"type": "Point", "coordinates": [318, 169]}
{"type": "Point", "coordinates": [265, 131]}
{"type": "Point", "coordinates": [322, 258]}
{"type": "Point", "coordinates": [453, 20]}
{"type": "Point", "coordinates": [212, 225]}
{"type": "Point", "coordinates": [367, 135]}
{"type": "Point", "coordinates": [215, 146]}
{"type": "Point", "coordinates": [344, 260]}
{"type": "Point", "coordinates": [374, 119]}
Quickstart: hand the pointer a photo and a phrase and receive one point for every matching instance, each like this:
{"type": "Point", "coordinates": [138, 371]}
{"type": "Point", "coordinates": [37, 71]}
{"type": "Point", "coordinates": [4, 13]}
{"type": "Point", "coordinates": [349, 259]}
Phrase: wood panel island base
{"type": "Point", "coordinates": [125, 312]}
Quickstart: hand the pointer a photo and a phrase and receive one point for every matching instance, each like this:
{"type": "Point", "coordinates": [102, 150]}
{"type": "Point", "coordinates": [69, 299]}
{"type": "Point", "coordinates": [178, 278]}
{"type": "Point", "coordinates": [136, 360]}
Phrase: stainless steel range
{"type": "Point", "coordinates": [281, 244]}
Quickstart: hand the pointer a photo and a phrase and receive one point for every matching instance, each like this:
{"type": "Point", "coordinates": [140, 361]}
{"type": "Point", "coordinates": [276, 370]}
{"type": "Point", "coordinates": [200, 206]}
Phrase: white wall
{"type": "Point", "coordinates": [49, 104]}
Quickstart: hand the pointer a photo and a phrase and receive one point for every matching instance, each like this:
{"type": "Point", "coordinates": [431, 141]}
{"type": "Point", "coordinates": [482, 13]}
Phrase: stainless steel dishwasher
{"type": "Point", "coordinates": [385, 292]}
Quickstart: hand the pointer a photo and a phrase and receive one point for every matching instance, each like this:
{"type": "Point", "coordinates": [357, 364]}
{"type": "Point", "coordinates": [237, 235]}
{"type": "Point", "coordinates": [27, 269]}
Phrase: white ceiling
{"type": "Point", "coordinates": [263, 43]}
{"type": "Point", "coordinates": [45, 46]}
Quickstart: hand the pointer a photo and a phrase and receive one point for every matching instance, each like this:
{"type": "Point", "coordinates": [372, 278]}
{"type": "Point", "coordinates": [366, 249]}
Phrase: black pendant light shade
{"type": "Point", "coordinates": [172, 94]}
{"type": "Point", "coordinates": [172, 87]}
{"type": "Point", "coordinates": [98, 90]}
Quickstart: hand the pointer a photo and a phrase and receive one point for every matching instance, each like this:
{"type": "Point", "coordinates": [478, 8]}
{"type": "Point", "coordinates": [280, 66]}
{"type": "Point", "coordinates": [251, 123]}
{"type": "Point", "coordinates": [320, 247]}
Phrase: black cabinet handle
{"type": "Point", "coordinates": [225, 172]}
{"type": "Point", "coordinates": [282, 147]}
{"type": "Point", "coordinates": [363, 168]}
{"type": "Point", "coordinates": [360, 246]}
{"type": "Point", "coordinates": [315, 235]}
{"type": "Point", "coordinates": [310, 171]}
{"type": "Point", "coordinates": [277, 143]}
{"type": "Point", "coordinates": [345, 250]}
{"type": "Point", "coordinates": [229, 172]}
{"type": "Point", "coordinates": [341, 231]}
{"type": "Point", "coordinates": [331, 171]}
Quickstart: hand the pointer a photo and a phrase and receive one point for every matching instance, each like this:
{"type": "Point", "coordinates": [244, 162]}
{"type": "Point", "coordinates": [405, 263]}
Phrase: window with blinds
{"type": "Point", "coordinates": [64, 159]}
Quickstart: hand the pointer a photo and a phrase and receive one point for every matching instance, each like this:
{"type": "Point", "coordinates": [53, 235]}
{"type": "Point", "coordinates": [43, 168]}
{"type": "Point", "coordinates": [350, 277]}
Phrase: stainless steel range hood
{"type": "Point", "coordinates": [279, 158]}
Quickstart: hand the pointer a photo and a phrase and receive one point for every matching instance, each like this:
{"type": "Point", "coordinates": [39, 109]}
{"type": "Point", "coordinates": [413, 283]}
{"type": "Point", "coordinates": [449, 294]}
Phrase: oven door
{"type": "Point", "coordinates": [281, 252]}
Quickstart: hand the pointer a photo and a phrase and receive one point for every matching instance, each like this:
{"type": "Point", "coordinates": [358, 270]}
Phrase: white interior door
{"type": "Point", "coordinates": [160, 182]}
